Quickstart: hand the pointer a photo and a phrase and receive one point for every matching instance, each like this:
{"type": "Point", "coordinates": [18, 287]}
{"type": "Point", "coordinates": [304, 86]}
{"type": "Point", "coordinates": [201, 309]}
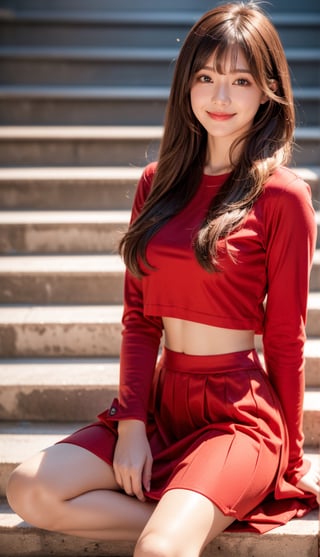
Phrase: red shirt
{"type": "Point", "coordinates": [271, 256]}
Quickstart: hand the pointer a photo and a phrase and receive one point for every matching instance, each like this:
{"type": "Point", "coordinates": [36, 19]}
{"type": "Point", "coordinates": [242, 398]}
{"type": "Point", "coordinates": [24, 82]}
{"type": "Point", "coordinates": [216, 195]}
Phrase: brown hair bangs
{"type": "Point", "coordinates": [222, 38]}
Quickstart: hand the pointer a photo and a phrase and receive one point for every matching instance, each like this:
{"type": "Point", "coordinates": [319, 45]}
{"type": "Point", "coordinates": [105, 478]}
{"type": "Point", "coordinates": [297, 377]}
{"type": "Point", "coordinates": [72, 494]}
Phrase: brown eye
{"type": "Point", "coordinates": [205, 79]}
{"type": "Point", "coordinates": [242, 81]}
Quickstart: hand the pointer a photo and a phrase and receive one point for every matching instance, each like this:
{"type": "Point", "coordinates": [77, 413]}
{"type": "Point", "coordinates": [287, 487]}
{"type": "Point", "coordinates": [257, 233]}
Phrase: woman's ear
{"type": "Point", "coordinates": [273, 86]}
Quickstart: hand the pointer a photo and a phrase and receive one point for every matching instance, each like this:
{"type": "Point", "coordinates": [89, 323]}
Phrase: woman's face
{"type": "Point", "coordinates": [226, 104]}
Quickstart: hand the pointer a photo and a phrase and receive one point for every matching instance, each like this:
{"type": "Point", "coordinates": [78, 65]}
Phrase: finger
{"type": "Point", "coordinates": [146, 475]}
{"type": "Point", "coordinates": [117, 476]}
{"type": "Point", "coordinates": [137, 486]}
{"type": "Point", "coordinates": [128, 483]}
{"type": "Point", "coordinates": [123, 479]}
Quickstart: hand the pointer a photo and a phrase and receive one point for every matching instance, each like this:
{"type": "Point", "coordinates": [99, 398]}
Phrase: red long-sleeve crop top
{"type": "Point", "coordinates": [272, 252]}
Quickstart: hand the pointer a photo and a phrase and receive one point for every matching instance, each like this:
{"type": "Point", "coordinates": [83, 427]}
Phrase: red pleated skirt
{"type": "Point", "coordinates": [215, 427]}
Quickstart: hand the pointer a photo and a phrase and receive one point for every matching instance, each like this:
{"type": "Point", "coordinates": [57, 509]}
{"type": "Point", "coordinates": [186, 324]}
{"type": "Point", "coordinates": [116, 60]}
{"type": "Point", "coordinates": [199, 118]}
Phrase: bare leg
{"type": "Point", "coordinates": [183, 523]}
{"type": "Point", "coordinates": [68, 489]}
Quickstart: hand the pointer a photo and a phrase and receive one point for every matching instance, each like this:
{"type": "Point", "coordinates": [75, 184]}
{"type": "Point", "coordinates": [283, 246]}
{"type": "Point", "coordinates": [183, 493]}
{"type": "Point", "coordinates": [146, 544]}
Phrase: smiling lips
{"type": "Point", "coordinates": [220, 116]}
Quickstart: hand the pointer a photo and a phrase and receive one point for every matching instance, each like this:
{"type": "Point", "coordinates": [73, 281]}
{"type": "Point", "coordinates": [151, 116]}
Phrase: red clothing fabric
{"type": "Point", "coordinates": [214, 427]}
{"type": "Point", "coordinates": [272, 253]}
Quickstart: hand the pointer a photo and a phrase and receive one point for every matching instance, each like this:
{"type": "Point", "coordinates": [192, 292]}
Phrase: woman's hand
{"type": "Point", "coordinates": [132, 461]}
{"type": "Point", "coordinates": [311, 481]}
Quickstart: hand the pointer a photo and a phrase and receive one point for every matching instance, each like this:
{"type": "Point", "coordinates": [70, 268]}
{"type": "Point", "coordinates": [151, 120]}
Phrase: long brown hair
{"type": "Point", "coordinates": [182, 155]}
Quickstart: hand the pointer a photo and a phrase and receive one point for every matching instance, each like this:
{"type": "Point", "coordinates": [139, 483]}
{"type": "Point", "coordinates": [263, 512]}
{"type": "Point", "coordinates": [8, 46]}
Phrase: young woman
{"type": "Point", "coordinates": [219, 249]}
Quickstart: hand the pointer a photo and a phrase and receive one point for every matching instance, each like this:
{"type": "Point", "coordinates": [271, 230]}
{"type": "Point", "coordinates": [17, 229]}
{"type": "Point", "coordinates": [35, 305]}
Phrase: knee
{"type": "Point", "coordinates": [16, 490]}
{"type": "Point", "coordinates": [29, 497]}
{"type": "Point", "coordinates": [155, 545]}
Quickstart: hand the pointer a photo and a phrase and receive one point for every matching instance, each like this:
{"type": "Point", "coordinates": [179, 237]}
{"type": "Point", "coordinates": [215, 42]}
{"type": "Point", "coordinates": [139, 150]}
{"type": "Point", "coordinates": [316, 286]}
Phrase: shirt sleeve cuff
{"type": "Point", "coordinates": [116, 412]}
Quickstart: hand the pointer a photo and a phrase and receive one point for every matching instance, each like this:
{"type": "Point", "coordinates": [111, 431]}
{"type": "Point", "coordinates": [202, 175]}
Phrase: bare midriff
{"type": "Point", "coordinates": [204, 340]}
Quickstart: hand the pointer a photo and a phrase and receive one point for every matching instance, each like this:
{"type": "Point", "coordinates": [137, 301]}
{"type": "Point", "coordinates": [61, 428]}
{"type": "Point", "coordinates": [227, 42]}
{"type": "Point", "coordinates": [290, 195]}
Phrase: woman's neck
{"type": "Point", "coordinates": [216, 170]}
{"type": "Point", "coordinates": [218, 157]}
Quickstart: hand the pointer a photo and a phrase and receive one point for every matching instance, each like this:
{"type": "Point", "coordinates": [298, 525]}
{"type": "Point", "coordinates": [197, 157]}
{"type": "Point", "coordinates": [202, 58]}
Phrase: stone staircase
{"type": "Point", "coordinates": [82, 95]}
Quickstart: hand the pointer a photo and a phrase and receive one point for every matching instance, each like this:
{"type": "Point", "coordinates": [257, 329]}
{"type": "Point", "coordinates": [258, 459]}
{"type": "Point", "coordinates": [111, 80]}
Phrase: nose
{"type": "Point", "coordinates": [220, 94]}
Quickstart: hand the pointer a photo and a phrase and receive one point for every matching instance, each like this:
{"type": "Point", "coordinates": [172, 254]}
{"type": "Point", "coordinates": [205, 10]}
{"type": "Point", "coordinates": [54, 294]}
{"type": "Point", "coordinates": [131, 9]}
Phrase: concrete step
{"type": "Point", "coordinates": [149, 28]}
{"type": "Point", "coordinates": [108, 145]}
{"type": "Point", "coordinates": [68, 29]}
{"type": "Point", "coordinates": [310, 174]}
{"type": "Point", "coordinates": [307, 101]}
{"type": "Point", "coordinates": [313, 318]}
{"type": "Point", "coordinates": [311, 417]}
{"type": "Point", "coordinates": [62, 279]}
{"type": "Point", "coordinates": [119, 66]}
{"type": "Point", "coordinates": [84, 105]}
{"type": "Point", "coordinates": [62, 390]}
{"type": "Point", "coordinates": [312, 362]}
{"type": "Point", "coordinates": [61, 232]}
{"type": "Point", "coordinates": [308, 146]}
{"type": "Point", "coordinates": [103, 6]}
{"type": "Point", "coordinates": [79, 145]}
{"type": "Point", "coordinates": [83, 66]}
{"type": "Point", "coordinates": [60, 331]}
{"type": "Point", "coordinates": [80, 330]}
{"type": "Point", "coordinates": [78, 390]}
{"type": "Point", "coordinates": [304, 66]}
{"type": "Point", "coordinates": [13, 7]}
{"type": "Point", "coordinates": [88, 188]}
{"type": "Point", "coordinates": [73, 278]}
{"type": "Point", "coordinates": [315, 271]}
{"type": "Point", "coordinates": [299, 537]}
{"type": "Point", "coordinates": [297, 29]}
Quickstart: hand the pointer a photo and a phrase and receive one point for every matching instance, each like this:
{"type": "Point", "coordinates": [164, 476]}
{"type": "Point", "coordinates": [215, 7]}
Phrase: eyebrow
{"type": "Point", "coordinates": [236, 70]}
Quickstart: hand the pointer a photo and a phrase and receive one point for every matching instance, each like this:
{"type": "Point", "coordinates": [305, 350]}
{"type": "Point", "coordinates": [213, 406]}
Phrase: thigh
{"type": "Point", "coordinates": [185, 519]}
{"type": "Point", "coordinates": [68, 470]}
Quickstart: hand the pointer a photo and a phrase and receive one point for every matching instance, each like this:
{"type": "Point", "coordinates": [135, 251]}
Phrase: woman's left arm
{"type": "Point", "coordinates": [290, 235]}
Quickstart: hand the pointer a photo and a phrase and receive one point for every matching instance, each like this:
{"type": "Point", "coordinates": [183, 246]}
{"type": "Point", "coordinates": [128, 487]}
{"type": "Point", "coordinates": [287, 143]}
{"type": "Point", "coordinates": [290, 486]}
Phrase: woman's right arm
{"type": "Point", "coordinates": [139, 351]}
{"type": "Point", "coordinates": [141, 334]}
